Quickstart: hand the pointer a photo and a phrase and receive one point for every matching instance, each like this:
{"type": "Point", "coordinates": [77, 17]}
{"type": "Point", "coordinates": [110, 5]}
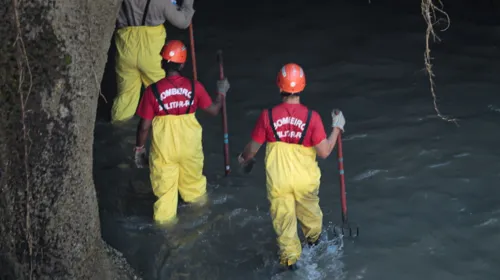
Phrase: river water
{"type": "Point", "coordinates": [424, 191]}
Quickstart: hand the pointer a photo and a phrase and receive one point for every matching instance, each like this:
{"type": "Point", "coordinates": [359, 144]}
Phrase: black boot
{"type": "Point", "coordinates": [293, 267]}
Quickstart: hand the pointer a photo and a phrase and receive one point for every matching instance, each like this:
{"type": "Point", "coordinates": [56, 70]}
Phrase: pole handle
{"type": "Point", "coordinates": [193, 53]}
{"type": "Point", "coordinates": [221, 64]}
{"type": "Point", "coordinates": [343, 198]}
{"type": "Point", "coordinates": [227, 167]}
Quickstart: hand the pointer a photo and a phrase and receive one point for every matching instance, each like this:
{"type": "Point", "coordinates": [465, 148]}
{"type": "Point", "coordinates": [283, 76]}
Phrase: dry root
{"type": "Point", "coordinates": [23, 64]}
{"type": "Point", "coordinates": [429, 12]}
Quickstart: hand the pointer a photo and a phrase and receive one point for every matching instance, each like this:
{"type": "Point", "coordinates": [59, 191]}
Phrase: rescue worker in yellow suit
{"type": "Point", "coordinates": [295, 136]}
{"type": "Point", "coordinates": [139, 39]}
{"type": "Point", "coordinates": [176, 156]}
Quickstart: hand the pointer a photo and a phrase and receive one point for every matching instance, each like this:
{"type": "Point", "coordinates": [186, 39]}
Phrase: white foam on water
{"type": "Point", "coordinates": [489, 222]}
{"type": "Point", "coordinates": [462, 155]}
{"type": "Point", "coordinates": [437, 165]}
{"type": "Point", "coordinates": [395, 178]}
{"type": "Point", "coordinates": [428, 152]}
{"type": "Point", "coordinates": [221, 199]}
{"type": "Point", "coordinates": [494, 108]}
{"type": "Point", "coordinates": [354, 136]}
{"type": "Point", "coordinates": [321, 262]}
{"type": "Point", "coordinates": [136, 223]}
{"type": "Point", "coordinates": [250, 219]}
{"type": "Point", "coordinates": [368, 174]}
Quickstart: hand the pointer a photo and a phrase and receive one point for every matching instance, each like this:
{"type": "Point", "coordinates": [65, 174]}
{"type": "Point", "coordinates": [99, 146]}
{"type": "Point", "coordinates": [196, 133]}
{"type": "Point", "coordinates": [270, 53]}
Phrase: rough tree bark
{"type": "Point", "coordinates": [52, 55]}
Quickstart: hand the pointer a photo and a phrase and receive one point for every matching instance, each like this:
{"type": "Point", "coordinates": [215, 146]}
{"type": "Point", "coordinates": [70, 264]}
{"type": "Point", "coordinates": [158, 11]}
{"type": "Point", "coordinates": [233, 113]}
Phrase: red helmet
{"type": "Point", "coordinates": [174, 51]}
{"type": "Point", "coordinates": [291, 78]}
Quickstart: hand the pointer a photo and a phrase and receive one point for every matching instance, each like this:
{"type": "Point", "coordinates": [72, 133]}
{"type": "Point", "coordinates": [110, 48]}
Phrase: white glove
{"type": "Point", "coordinates": [223, 86]}
{"type": "Point", "coordinates": [338, 119]}
{"type": "Point", "coordinates": [140, 158]}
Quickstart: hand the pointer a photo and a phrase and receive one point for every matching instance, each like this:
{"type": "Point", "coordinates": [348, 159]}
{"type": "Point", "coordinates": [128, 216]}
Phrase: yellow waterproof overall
{"type": "Point", "coordinates": [292, 180]}
{"type": "Point", "coordinates": [176, 164]}
{"type": "Point", "coordinates": [138, 61]}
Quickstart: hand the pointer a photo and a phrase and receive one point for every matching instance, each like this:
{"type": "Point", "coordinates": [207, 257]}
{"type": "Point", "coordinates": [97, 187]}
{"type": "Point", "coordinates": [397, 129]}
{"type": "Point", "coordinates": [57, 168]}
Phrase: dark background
{"type": "Point", "coordinates": [244, 14]}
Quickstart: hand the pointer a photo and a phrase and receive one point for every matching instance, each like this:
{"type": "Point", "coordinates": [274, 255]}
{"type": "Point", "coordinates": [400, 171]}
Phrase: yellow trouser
{"type": "Point", "coordinates": [138, 61]}
{"type": "Point", "coordinates": [292, 179]}
{"type": "Point", "coordinates": [176, 164]}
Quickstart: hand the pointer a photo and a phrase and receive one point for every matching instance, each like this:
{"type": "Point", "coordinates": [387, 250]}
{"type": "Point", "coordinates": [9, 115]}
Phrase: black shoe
{"type": "Point", "coordinates": [293, 267]}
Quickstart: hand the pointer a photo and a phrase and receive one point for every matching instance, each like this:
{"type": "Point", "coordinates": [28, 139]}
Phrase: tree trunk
{"type": "Point", "coordinates": [52, 55]}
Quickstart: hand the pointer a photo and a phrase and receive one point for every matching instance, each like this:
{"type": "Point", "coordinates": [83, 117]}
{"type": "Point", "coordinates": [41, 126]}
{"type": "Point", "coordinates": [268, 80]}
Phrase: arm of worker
{"type": "Point", "coordinates": [147, 112]}
{"type": "Point", "coordinates": [140, 155]}
{"type": "Point", "coordinates": [142, 132]}
{"type": "Point", "coordinates": [249, 152]}
{"type": "Point", "coordinates": [246, 158]}
{"type": "Point", "coordinates": [179, 17]}
{"type": "Point", "coordinates": [325, 147]}
{"type": "Point", "coordinates": [222, 89]}
{"type": "Point", "coordinates": [214, 108]}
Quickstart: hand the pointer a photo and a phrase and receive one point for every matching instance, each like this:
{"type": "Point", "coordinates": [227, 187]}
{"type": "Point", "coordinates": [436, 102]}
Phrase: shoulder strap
{"type": "Point", "coordinates": [271, 123]}
{"type": "Point", "coordinates": [157, 95]}
{"type": "Point", "coordinates": [145, 14]}
{"type": "Point", "coordinates": [193, 85]}
{"type": "Point", "coordinates": [309, 115]}
{"type": "Point", "coordinates": [125, 11]}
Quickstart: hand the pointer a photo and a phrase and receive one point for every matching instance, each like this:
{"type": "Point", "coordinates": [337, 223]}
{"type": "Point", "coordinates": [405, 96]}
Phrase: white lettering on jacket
{"type": "Point", "coordinates": [175, 91]}
{"type": "Point", "coordinates": [290, 120]}
{"type": "Point", "coordinates": [290, 134]}
{"type": "Point", "coordinates": [175, 104]}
